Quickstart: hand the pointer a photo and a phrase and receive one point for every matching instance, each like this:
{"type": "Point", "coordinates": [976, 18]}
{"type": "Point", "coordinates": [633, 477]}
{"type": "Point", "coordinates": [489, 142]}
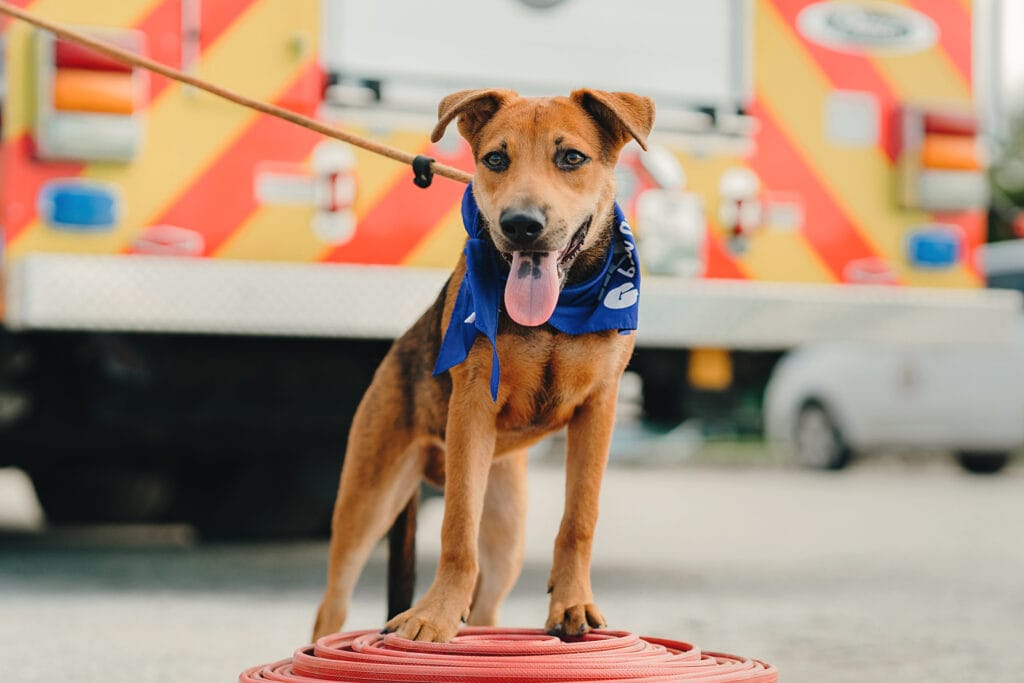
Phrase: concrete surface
{"type": "Point", "coordinates": [890, 571]}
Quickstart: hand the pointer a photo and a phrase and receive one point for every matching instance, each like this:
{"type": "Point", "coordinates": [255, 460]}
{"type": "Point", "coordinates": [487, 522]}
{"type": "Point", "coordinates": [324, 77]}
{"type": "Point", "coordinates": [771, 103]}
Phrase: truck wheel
{"type": "Point", "coordinates": [978, 462]}
{"type": "Point", "coordinates": [86, 491]}
{"type": "Point", "coordinates": [817, 441]}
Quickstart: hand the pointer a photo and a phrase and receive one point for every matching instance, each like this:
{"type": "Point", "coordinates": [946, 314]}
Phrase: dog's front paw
{"type": "Point", "coordinates": [330, 617]}
{"type": "Point", "coordinates": [573, 620]}
{"type": "Point", "coordinates": [426, 621]}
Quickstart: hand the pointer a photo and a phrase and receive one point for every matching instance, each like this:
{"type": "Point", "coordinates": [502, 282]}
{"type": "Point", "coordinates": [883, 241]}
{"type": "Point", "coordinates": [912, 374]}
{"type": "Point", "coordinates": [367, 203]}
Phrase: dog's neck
{"type": "Point", "coordinates": [587, 264]}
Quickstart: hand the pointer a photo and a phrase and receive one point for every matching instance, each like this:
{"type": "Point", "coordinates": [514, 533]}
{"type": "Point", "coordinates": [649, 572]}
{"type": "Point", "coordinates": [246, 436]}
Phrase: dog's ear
{"type": "Point", "coordinates": [622, 115]}
{"type": "Point", "coordinates": [474, 109]}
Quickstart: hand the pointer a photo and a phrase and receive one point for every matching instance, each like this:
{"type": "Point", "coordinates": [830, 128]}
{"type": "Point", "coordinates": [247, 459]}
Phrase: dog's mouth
{"type": "Point", "coordinates": [572, 250]}
{"type": "Point", "coordinates": [535, 279]}
{"type": "Point", "coordinates": [565, 256]}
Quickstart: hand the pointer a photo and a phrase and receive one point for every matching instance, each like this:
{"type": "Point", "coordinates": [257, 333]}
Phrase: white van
{"type": "Point", "coordinates": [831, 400]}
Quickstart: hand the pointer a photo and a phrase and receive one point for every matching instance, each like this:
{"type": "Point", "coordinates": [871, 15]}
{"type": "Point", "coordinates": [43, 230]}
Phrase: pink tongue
{"type": "Point", "coordinates": [532, 290]}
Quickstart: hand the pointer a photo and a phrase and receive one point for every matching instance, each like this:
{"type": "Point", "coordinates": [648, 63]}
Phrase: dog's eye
{"type": "Point", "coordinates": [496, 161]}
{"type": "Point", "coordinates": [570, 159]}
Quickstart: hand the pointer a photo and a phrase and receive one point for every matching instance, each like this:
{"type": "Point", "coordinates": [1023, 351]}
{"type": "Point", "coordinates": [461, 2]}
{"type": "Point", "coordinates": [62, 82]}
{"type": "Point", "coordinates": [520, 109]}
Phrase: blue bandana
{"type": "Point", "coordinates": [607, 301]}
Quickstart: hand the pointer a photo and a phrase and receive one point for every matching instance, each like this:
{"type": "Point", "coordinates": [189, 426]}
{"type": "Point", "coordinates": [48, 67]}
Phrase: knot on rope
{"type": "Point", "coordinates": [423, 174]}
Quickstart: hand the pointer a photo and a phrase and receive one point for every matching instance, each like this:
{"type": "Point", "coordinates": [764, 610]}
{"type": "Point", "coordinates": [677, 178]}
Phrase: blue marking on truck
{"type": "Point", "coordinates": [935, 246]}
{"type": "Point", "coordinates": [79, 206]}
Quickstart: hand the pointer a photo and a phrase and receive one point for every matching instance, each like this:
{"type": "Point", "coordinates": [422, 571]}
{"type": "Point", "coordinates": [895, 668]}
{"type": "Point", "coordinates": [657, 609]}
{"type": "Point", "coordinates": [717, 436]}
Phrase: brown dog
{"type": "Point", "coordinates": [545, 188]}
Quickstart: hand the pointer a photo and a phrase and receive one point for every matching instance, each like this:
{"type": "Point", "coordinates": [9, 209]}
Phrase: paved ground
{"type": "Point", "coordinates": [895, 571]}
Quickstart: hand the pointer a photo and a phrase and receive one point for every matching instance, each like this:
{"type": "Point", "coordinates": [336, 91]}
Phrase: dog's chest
{"type": "Point", "coordinates": [545, 377]}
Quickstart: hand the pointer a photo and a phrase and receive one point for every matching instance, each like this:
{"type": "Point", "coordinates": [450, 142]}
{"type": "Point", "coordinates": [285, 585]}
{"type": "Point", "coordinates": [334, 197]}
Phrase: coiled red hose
{"type": "Point", "coordinates": [483, 655]}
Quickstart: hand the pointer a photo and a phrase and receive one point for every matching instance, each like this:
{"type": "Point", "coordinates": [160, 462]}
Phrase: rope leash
{"type": "Point", "coordinates": [491, 655]}
{"type": "Point", "coordinates": [424, 167]}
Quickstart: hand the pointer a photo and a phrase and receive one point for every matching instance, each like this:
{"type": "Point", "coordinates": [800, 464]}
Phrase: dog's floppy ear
{"type": "Point", "coordinates": [473, 107]}
{"type": "Point", "coordinates": [622, 115]}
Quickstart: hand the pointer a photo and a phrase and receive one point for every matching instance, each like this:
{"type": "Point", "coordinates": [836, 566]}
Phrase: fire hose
{"type": "Point", "coordinates": [486, 655]}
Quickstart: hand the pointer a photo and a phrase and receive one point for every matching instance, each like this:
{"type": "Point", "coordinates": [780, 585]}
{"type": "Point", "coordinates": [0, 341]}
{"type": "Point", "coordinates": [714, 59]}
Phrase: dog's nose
{"type": "Point", "coordinates": [522, 226]}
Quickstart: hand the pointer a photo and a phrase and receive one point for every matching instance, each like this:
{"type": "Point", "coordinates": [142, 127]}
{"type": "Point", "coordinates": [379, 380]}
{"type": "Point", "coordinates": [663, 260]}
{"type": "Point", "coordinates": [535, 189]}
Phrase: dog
{"type": "Point", "coordinates": [473, 383]}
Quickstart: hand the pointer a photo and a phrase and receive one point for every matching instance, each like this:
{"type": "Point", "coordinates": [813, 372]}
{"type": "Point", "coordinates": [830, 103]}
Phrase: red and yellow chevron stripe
{"type": "Point", "coordinates": [264, 48]}
{"type": "Point", "coordinates": [851, 211]}
{"type": "Point", "coordinates": [848, 193]}
{"type": "Point", "coordinates": [196, 168]}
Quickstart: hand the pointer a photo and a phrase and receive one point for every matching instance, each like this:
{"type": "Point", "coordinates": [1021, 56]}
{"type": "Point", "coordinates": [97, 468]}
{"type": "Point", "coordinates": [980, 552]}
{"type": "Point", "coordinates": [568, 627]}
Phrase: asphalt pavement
{"type": "Point", "coordinates": [894, 570]}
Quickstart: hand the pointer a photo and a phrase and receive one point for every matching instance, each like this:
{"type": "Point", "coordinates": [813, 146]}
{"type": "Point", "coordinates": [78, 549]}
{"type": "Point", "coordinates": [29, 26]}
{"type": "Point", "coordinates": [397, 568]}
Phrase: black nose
{"type": "Point", "coordinates": [522, 226]}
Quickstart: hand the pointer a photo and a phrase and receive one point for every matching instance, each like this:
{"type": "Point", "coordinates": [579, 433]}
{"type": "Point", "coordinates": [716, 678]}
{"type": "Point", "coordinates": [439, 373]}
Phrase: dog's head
{"type": "Point", "coordinates": [545, 176]}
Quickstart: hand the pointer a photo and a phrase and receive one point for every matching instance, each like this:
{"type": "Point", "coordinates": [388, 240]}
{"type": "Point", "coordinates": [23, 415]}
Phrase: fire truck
{"type": "Point", "coordinates": [195, 295]}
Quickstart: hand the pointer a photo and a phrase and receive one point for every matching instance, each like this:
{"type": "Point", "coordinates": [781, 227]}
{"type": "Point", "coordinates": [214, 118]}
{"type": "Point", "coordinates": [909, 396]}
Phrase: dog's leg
{"type": "Point", "coordinates": [572, 609]}
{"type": "Point", "coordinates": [377, 480]}
{"type": "Point", "coordinates": [502, 537]}
{"type": "Point", "coordinates": [402, 558]}
{"type": "Point", "coordinates": [469, 452]}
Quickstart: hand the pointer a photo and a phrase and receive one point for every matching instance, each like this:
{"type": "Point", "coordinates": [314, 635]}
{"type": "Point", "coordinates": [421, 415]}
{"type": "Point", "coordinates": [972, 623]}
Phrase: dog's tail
{"type": "Point", "coordinates": [402, 558]}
